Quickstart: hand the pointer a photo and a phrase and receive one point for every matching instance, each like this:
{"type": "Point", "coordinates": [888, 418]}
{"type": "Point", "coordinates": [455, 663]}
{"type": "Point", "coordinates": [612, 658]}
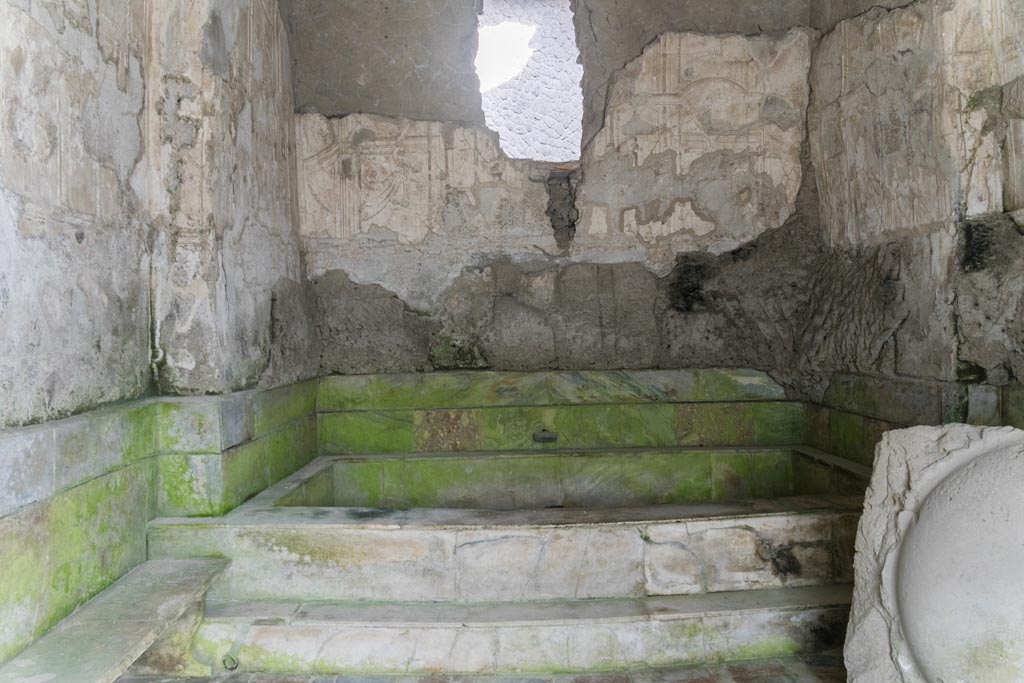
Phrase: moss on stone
{"type": "Point", "coordinates": [371, 432]}
{"type": "Point", "coordinates": [778, 424]}
{"type": "Point", "coordinates": [140, 432]}
{"type": "Point", "coordinates": [279, 407]}
{"type": "Point", "coordinates": [185, 485]}
{"type": "Point", "coordinates": [846, 435]}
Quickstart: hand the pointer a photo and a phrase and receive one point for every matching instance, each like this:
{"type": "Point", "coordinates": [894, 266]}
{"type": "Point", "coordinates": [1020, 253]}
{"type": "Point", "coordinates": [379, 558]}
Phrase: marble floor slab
{"type": "Point", "coordinates": [825, 668]}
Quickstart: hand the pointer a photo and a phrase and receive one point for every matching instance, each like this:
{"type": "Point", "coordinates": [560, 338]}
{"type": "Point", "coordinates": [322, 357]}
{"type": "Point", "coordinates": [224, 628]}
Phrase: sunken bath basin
{"type": "Point", "coordinates": [552, 479]}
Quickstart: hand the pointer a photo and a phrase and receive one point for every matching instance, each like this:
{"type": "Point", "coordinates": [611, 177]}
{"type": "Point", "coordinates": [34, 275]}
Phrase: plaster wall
{"type": "Point", "coordinates": [221, 191]}
{"type": "Point", "coordinates": [74, 263]}
{"type": "Point", "coordinates": [826, 14]}
{"type": "Point", "coordinates": [407, 204]}
{"type": "Point", "coordinates": [612, 33]}
{"type": "Point", "coordinates": [430, 248]}
{"type": "Point", "coordinates": [700, 148]}
{"type": "Point", "coordinates": [912, 135]}
{"type": "Point", "coordinates": [390, 57]}
{"type": "Point", "coordinates": [902, 140]}
{"type": "Point", "coordinates": [146, 191]}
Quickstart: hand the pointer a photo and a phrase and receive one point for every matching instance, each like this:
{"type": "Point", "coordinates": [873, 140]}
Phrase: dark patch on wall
{"type": "Point", "coordinates": [977, 247]}
{"type": "Point", "coordinates": [686, 283]}
{"type": "Point", "coordinates": [562, 183]}
{"type": "Point", "coordinates": [294, 343]}
{"type": "Point", "coordinates": [989, 300]}
{"type": "Point", "coordinates": [828, 632]}
{"type": "Point", "coordinates": [783, 560]}
{"type": "Point", "coordinates": [366, 329]}
{"type": "Point", "coordinates": [215, 47]}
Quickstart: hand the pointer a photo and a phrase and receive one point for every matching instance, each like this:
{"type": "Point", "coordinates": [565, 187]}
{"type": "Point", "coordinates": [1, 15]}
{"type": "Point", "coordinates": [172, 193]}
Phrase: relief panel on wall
{"type": "Point", "coordinates": [700, 148]}
{"type": "Point", "coordinates": [901, 132]}
{"type": "Point", "coordinates": [408, 204]}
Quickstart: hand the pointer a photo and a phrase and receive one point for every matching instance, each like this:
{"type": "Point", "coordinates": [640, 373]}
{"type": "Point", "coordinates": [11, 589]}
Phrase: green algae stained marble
{"type": "Point", "coordinates": [737, 385]}
{"type": "Point", "coordinates": [187, 484]}
{"type": "Point", "coordinates": [279, 407]}
{"type": "Point", "coordinates": [140, 426]}
{"type": "Point", "coordinates": [771, 474]}
{"type": "Point", "coordinates": [245, 474]}
{"type": "Point", "coordinates": [189, 427]}
{"type": "Point", "coordinates": [812, 478]}
{"type": "Point", "coordinates": [1013, 407]}
{"type": "Point", "coordinates": [371, 432]}
{"type": "Point", "coordinates": [636, 426]}
{"type": "Point", "coordinates": [485, 389]}
{"type": "Point", "coordinates": [730, 476]}
{"type": "Point", "coordinates": [778, 423]}
{"type": "Point", "coordinates": [846, 435]}
{"type": "Point", "coordinates": [615, 480]}
{"type": "Point", "coordinates": [60, 553]}
{"type": "Point", "coordinates": [606, 479]}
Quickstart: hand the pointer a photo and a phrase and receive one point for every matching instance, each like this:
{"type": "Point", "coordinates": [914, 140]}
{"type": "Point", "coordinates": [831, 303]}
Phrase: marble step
{"type": "Point", "coordinates": [471, 556]}
{"type": "Point", "coordinates": [577, 636]}
{"type": "Point", "coordinates": [494, 411]}
{"type": "Point", "coordinates": [103, 638]}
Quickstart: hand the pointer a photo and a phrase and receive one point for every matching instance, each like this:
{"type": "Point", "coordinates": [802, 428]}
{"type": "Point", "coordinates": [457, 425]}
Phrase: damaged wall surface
{"type": "Point", "coordinates": [612, 33]}
{"type": "Point", "coordinates": [74, 269]}
{"type": "Point", "coordinates": [826, 14]}
{"type": "Point", "coordinates": [408, 204]}
{"type": "Point", "coordinates": [146, 188]}
{"type": "Point", "coordinates": [913, 149]}
{"type": "Point", "coordinates": [222, 191]}
{"type": "Point", "coordinates": [441, 222]}
{"type": "Point", "coordinates": [700, 148]}
{"type": "Point", "coordinates": [902, 141]}
{"type": "Point", "coordinates": [412, 59]}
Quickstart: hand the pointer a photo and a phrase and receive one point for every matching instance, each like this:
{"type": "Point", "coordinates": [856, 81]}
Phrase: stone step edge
{"type": "Point", "coordinates": [489, 615]}
{"type": "Point", "coordinates": [104, 637]}
{"type": "Point", "coordinates": [856, 469]}
{"type": "Point", "coordinates": [438, 519]}
{"type": "Point", "coordinates": [626, 403]}
{"type": "Point", "coordinates": [564, 452]}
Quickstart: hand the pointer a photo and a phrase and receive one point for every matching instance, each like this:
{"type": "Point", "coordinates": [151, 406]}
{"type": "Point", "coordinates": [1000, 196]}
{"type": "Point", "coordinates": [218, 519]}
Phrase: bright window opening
{"type": "Point", "coordinates": [503, 54]}
{"type": "Point", "coordinates": [529, 70]}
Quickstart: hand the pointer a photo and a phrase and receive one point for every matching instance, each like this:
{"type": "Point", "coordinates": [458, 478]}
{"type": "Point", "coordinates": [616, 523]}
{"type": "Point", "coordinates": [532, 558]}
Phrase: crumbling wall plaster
{"type": "Point", "coordinates": [612, 33]}
{"type": "Point", "coordinates": [74, 269]}
{"type": "Point", "coordinates": [700, 149]}
{"type": "Point", "coordinates": [902, 139]}
{"type": "Point", "coordinates": [408, 204]}
{"type": "Point", "coordinates": [826, 14]}
{"type": "Point", "coordinates": [428, 231]}
{"type": "Point", "coordinates": [989, 304]}
{"type": "Point", "coordinates": [912, 133]}
{"type": "Point", "coordinates": [387, 57]}
{"type": "Point", "coordinates": [222, 193]}
{"type": "Point", "coordinates": [146, 190]}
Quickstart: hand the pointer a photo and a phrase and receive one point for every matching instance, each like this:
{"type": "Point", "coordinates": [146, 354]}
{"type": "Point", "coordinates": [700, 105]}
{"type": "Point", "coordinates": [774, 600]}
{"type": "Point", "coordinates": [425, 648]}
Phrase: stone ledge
{"type": "Point", "coordinates": [102, 639]}
{"type": "Point", "coordinates": [561, 636]}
